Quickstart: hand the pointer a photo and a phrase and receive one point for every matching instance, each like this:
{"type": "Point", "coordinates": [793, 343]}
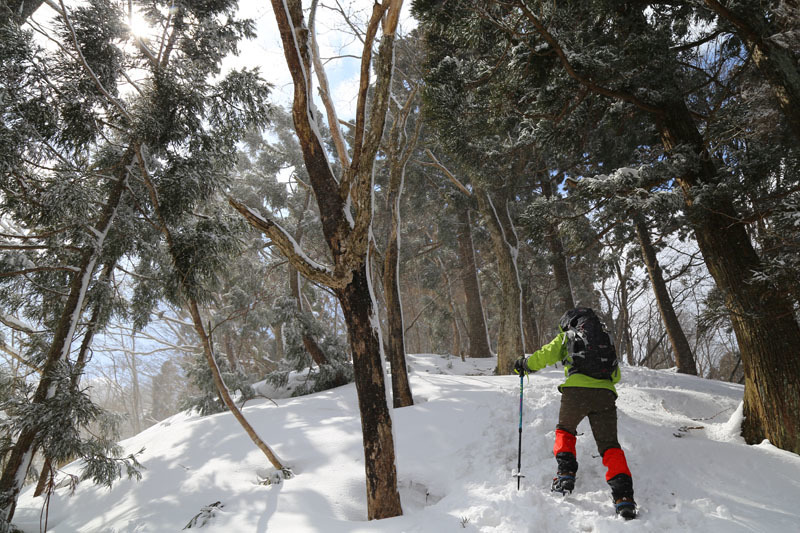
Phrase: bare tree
{"type": "Point", "coordinates": [345, 206]}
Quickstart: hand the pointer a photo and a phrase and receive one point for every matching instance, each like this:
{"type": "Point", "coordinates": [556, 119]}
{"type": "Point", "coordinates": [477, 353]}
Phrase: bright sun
{"type": "Point", "coordinates": [138, 25]}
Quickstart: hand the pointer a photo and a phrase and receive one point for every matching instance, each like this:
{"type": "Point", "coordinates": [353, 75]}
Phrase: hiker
{"type": "Point", "coordinates": [590, 364]}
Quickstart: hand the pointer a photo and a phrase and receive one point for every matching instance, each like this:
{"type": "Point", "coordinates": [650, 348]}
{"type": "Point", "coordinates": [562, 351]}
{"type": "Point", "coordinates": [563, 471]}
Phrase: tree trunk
{"type": "Point", "coordinates": [399, 150]}
{"type": "Point", "coordinates": [358, 307]}
{"type": "Point", "coordinates": [624, 328]}
{"type": "Point", "coordinates": [231, 353]}
{"type": "Point", "coordinates": [478, 335]}
{"type": "Point", "coordinates": [401, 389]}
{"type": "Point", "coordinates": [22, 9]}
{"type": "Point", "coordinates": [505, 244]}
{"type": "Point", "coordinates": [558, 260]}
{"type": "Point", "coordinates": [45, 477]}
{"type": "Point", "coordinates": [763, 319]}
{"type": "Point", "coordinates": [19, 459]}
{"type": "Point", "coordinates": [348, 237]}
{"type": "Point", "coordinates": [277, 330]}
{"type": "Point", "coordinates": [532, 337]}
{"type": "Point", "coordinates": [223, 391]}
{"type": "Point", "coordinates": [456, 346]}
{"type": "Point", "coordinates": [136, 397]}
{"type": "Point", "coordinates": [205, 340]}
{"type": "Point", "coordinates": [684, 359]}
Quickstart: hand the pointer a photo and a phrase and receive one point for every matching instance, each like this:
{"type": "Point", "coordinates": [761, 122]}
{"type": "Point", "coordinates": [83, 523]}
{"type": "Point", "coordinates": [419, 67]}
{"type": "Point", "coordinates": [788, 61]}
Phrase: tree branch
{"type": "Point", "coordinates": [19, 358]}
{"type": "Point", "coordinates": [325, 92]}
{"type": "Point", "coordinates": [98, 84]}
{"type": "Point", "coordinates": [435, 162]}
{"type": "Point", "coordinates": [586, 82]}
{"type": "Point", "coordinates": [289, 247]}
{"type": "Point", "coordinates": [38, 269]}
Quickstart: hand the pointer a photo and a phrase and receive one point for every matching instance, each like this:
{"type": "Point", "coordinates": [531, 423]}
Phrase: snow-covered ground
{"type": "Point", "coordinates": [456, 449]}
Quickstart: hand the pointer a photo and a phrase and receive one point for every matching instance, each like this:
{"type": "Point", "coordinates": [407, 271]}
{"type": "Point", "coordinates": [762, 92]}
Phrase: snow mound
{"type": "Point", "coordinates": [456, 450]}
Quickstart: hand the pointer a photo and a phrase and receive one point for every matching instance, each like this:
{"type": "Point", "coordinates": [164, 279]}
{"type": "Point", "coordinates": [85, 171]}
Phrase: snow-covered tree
{"type": "Point", "coordinates": [604, 71]}
{"type": "Point", "coordinates": [107, 135]}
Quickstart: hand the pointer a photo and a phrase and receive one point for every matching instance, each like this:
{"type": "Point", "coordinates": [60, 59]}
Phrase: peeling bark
{"type": "Point", "coordinates": [376, 422]}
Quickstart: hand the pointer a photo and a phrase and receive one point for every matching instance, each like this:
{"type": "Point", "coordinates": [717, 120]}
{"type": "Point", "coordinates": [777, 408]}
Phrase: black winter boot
{"type": "Point", "coordinates": [566, 462]}
{"type": "Point", "coordinates": [564, 482]}
{"type": "Point", "coordinates": [625, 507]}
{"type": "Point", "coordinates": [622, 496]}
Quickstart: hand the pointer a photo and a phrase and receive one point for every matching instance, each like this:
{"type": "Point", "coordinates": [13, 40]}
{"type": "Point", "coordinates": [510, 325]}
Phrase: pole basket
{"type": "Point", "coordinates": [515, 473]}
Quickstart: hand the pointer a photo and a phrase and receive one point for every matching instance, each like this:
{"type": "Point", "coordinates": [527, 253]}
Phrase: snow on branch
{"type": "Point", "coordinates": [19, 358]}
{"type": "Point", "coordinates": [39, 269]}
{"type": "Point", "coordinates": [574, 74]}
{"type": "Point", "coordinates": [290, 248]}
{"type": "Point", "coordinates": [116, 103]}
{"type": "Point", "coordinates": [16, 324]}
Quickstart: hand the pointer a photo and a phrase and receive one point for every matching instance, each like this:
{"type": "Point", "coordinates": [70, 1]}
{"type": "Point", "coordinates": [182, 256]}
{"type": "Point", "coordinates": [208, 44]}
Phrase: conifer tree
{"type": "Point", "coordinates": [626, 67]}
{"type": "Point", "coordinates": [83, 132]}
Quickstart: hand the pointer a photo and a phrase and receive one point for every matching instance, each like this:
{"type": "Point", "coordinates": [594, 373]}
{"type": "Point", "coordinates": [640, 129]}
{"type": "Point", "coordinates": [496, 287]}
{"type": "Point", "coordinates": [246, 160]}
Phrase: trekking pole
{"type": "Point", "coordinates": [518, 475]}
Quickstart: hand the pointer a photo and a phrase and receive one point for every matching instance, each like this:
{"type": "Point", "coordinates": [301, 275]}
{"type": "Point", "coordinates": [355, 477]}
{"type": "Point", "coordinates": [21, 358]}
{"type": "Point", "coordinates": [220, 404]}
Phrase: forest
{"type": "Point", "coordinates": [172, 232]}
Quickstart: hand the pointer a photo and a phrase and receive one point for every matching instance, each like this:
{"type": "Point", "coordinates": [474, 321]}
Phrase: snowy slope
{"type": "Point", "coordinates": [456, 449]}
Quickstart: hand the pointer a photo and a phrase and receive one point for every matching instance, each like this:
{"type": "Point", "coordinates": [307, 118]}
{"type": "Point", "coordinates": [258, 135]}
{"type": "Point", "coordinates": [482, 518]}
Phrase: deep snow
{"type": "Point", "coordinates": [456, 450]}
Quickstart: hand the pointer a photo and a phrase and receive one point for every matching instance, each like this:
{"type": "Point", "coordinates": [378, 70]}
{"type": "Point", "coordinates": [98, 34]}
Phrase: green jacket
{"type": "Point", "coordinates": [556, 351]}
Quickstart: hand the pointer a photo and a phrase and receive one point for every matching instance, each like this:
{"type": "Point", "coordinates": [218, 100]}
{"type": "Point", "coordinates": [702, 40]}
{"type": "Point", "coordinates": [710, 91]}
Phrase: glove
{"type": "Point", "coordinates": [521, 366]}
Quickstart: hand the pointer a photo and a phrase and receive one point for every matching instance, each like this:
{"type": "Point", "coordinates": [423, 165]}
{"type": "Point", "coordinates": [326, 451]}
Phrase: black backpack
{"type": "Point", "coordinates": [590, 350]}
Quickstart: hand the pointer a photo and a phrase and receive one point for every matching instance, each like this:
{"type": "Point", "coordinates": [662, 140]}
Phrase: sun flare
{"type": "Point", "coordinates": [138, 26]}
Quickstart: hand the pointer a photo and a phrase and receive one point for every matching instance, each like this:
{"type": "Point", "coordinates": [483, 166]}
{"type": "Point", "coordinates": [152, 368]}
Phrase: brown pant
{"type": "Point", "coordinates": [599, 405]}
